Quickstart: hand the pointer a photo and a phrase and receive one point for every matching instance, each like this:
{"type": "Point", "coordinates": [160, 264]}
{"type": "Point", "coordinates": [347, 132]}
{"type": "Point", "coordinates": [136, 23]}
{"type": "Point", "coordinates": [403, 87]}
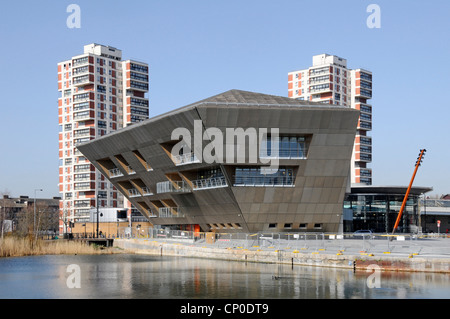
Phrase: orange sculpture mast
{"type": "Point", "coordinates": [418, 162]}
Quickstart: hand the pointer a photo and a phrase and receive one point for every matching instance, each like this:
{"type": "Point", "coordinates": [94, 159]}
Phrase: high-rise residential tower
{"type": "Point", "coordinates": [329, 81]}
{"type": "Point", "coordinates": [98, 94]}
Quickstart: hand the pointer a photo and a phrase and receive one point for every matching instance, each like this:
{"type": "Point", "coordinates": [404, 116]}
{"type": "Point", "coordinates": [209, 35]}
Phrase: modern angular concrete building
{"type": "Point", "coordinates": [235, 162]}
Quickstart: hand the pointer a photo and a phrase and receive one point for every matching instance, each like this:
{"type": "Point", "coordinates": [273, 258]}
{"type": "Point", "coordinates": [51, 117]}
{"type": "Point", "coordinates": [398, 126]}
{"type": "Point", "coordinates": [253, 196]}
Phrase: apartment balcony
{"type": "Point", "coordinates": [80, 61]}
{"type": "Point", "coordinates": [83, 169]}
{"type": "Point", "coordinates": [320, 71]}
{"type": "Point", "coordinates": [215, 182]}
{"type": "Point", "coordinates": [366, 76]}
{"type": "Point", "coordinates": [151, 214]}
{"type": "Point", "coordinates": [320, 88]}
{"type": "Point", "coordinates": [146, 191]}
{"type": "Point", "coordinates": [139, 68]}
{"type": "Point", "coordinates": [130, 170]}
{"type": "Point", "coordinates": [84, 186]}
{"type": "Point", "coordinates": [364, 172]}
{"type": "Point", "coordinates": [84, 116]}
{"type": "Point", "coordinates": [83, 97]}
{"type": "Point", "coordinates": [133, 192]}
{"type": "Point", "coordinates": [141, 86]}
{"type": "Point", "coordinates": [170, 212]}
{"type": "Point", "coordinates": [365, 140]}
{"type": "Point", "coordinates": [82, 203]}
{"type": "Point", "coordinates": [82, 80]}
{"type": "Point", "coordinates": [365, 93]}
{"type": "Point", "coordinates": [115, 172]}
{"type": "Point", "coordinates": [80, 71]}
{"type": "Point", "coordinates": [172, 187]}
{"type": "Point", "coordinates": [184, 159]}
{"type": "Point", "coordinates": [363, 157]}
{"type": "Point", "coordinates": [364, 125]}
{"type": "Point", "coordinates": [79, 141]}
{"type": "Point", "coordinates": [365, 108]}
{"type": "Point", "coordinates": [83, 133]}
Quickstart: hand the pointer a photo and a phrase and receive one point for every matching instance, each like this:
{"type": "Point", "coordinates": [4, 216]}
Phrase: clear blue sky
{"type": "Point", "coordinates": [199, 48]}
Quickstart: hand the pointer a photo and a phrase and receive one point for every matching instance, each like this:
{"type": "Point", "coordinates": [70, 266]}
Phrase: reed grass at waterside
{"type": "Point", "coordinates": [24, 246]}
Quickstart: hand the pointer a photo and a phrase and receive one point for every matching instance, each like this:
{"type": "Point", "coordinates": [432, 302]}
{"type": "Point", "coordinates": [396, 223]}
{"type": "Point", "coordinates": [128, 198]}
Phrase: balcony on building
{"type": "Point", "coordinates": [365, 108]}
{"type": "Point", "coordinates": [213, 182]}
{"type": "Point", "coordinates": [184, 159]}
{"type": "Point", "coordinates": [363, 157]}
{"type": "Point", "coordinates": [183, 156]}
{"type": "Point", "coordinates": [365, 93]}
{"type": "Point", "coordinates": [139, 67]}
{"type": "Point", "coordinates": [79, 141]}
{"type": "Point", "coordinates": [84, 115]}
{"type": "Point", "coordinates": [80, 70]}
{"type": "Point", "coordinates": [319, 71]}
{"type": "Point", "coordinates": [366, 76]}
{"type": "Point", "coordinates": [319, 79]}
{"type": "Point", "coordinates": [365, 172]}
{"type": "Point", "coordinates": [319, 88]}
{"type": "Point", "coordinates": [80, 177]}
{"type": "Point", "coordinates": [133, 192]}
{"type": "Point", "coordinates": [364, 125]}
{"type": "Point", "coordinates": [141, 86]}
{"type": "Point", "coordinates": [84, 186]}
{"type": "Point", "coordinates": [207, 178]}
{"type": "Point", "coordinates": [83, 97]}
{"type": "Point", "coordinates": [365, 140]}
{"type": "Point", "coordinates": [84, 168]}
{"type": "Point", "coordinates": [80, 61]}
{"type": "Point", "coordinates": [115, 172]}
{"type": "Point", "coordinates": [172, 187]}
{"type": "Point", "coordinates": [170, 212]}
{"type": "Point", "coordinates": [146, 191]}
{"type": "Point", "coordinates": [82, 80]}
{"type": "Point", "coordinates": [366, 117]}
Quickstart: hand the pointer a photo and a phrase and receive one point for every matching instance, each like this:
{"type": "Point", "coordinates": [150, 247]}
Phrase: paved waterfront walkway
{"type": "Point", "coordinates": [417, 255]}
{"type": "Point", "coordinates": [399, 246]}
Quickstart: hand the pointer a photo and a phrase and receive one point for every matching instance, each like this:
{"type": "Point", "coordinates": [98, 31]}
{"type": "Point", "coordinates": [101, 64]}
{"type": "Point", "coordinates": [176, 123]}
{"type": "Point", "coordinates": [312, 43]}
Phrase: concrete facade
{"type": "Point", "coordinates": [184, 190]}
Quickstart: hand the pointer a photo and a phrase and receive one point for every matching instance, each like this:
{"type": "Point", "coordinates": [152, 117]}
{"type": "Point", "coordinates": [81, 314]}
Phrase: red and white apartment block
{"type": "Point", "coordinates": [98, 94]}
{"type": "Point", "coordinates": [329, 81]}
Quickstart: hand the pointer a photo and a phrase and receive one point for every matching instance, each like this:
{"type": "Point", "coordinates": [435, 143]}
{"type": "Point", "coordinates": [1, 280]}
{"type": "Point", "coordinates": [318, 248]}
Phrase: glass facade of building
{"type": "Point", "coordinates": [376, 209]}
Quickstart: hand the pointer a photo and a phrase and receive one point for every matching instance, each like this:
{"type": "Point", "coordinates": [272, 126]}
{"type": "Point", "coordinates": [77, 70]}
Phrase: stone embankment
{"type": "Point", "coordinates": [297, 257]}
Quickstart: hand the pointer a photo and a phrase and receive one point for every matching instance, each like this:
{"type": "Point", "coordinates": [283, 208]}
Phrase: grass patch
{"type": "Point", "coordinates": [24, 246]}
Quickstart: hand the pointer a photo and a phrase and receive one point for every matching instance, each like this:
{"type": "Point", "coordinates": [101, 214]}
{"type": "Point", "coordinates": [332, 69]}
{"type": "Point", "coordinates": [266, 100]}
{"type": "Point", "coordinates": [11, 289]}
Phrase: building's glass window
{"type": "Point", "coordinates": [257, 176]}
{"type": "Point", "coordinates": [294, 147]}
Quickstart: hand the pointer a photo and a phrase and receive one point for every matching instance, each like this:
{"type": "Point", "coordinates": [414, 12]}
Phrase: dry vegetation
{"type": "Point", "coordinates": [23, 246]}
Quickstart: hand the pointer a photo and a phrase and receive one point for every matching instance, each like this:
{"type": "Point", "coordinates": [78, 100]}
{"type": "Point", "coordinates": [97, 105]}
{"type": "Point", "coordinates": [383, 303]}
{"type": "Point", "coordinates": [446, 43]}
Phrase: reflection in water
{"type": "Point", "coordinates": [139, 276]}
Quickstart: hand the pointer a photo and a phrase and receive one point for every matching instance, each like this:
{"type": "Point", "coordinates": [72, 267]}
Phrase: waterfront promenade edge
{"type": "Point", "coordinates": [305, 256]}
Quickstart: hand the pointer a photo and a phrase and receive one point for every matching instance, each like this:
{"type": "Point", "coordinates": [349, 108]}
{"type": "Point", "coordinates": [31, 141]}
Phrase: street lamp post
{"type": "Point", "coordinates": [98, 196]}
{"type": "Point", "coordinates": [34, 205]}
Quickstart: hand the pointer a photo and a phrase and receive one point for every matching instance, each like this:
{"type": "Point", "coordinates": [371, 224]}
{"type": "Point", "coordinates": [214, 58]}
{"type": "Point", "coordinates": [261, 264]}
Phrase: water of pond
{"type": "Point", "coordinates": [129, 276]}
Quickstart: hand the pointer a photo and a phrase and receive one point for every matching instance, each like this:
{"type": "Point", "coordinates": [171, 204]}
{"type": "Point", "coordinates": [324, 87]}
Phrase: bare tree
{"type": "Point", "coordinates": [3, 209]}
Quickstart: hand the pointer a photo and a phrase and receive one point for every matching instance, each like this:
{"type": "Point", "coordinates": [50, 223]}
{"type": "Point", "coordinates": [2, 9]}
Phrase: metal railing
{"type": "Point", "coordinates": [172, 187]}
{"type": "Point", "coordinates": [183, 159]}
{"type": "Point", "coordinates": [170, 212]}
{"type": "Point", "coordinates": [133, 192]}
{"type": "Point", "coordinates": [213, 182]}
{"type": "Point", "coordinates": [304, 242]}
{"type": "Point", "coordinates": [115, 172]}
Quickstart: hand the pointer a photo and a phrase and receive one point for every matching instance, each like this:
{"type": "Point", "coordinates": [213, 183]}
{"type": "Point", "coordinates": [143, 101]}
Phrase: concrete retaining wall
{"type": "Point", "coordinates": [386, 263]}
